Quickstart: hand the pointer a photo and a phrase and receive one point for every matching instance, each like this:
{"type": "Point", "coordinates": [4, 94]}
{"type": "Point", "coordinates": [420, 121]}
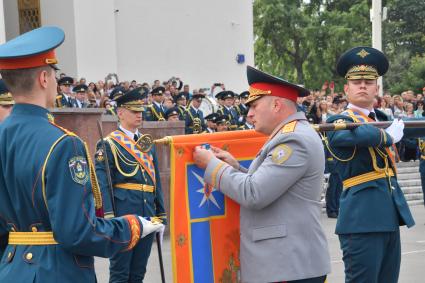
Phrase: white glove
{"type": "Point", "coordinates": [161, 233]}
{"type": "Point", "coordinates": [395, 130]}
{"type": "Point", "coordinates": [149, 227]}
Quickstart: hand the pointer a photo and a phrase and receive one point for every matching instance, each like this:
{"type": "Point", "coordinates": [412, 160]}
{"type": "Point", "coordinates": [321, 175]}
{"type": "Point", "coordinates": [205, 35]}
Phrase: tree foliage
{"type": "Point", "coordinates": [301, 40]}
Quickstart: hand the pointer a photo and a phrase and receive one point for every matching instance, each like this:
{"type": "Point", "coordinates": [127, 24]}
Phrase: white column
{"type": "Point", "coordinates": [376, 19]}
{"type": "Point", "coordinates": [2, 24]}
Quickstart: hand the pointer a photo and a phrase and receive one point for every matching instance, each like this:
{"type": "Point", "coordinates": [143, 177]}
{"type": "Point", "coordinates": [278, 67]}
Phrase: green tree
{"type": "Point", "coordinates": [302, 41]}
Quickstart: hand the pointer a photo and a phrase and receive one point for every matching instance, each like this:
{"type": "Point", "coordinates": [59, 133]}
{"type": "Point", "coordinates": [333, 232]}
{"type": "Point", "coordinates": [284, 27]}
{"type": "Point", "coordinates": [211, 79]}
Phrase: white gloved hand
{"type": "Point", "coordinates": [395, 130]}
{"type": "Point", "coordinates": [149, 227]}
{"type": "Point", "coordinates": [161, 233]}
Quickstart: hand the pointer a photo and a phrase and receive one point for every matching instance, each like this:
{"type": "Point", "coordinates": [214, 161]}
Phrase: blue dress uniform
{"type": "Point", "coordinates": [136, 189]}
{"type": "Point", "coordinates": [230, 112]}
{"type": "Point", "coordinates": [61, 100]}
{"type": "Point", "coordinates": [242, 108]}
{"type": "Point", "coordinates": [372, 204]}
{"type": "Point", "coordinates": [333, 192]}
{"type": "Point", "coordinates": [155, 111]}
{"type": "Point", "coordinates": [195, 123]}
{"type": "Point", "coordinates": [182, 109]}
{"type": "Point", "coordinates": [48, 189]}
{"type": "Point", "coordinates": [6, 99]}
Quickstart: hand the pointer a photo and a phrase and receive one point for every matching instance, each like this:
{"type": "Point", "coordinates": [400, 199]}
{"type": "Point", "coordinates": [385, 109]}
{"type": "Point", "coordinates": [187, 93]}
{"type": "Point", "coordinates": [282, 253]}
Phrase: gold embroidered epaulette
{"type": "Point", "coordinates": [290, 127]}
{"type": "Point", "coordinates": [68, 132]}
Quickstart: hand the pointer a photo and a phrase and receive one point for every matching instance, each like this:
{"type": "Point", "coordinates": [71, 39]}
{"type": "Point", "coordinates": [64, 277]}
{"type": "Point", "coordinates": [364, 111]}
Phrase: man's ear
{"type": "Point", "coordinates": [43, 77]}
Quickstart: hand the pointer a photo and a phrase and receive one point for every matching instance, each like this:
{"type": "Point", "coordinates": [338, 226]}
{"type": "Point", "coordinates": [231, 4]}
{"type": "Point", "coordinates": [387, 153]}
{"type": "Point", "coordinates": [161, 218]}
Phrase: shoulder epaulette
{"type": "Point", "coordinates": [68, 132]}
{"type": "Point", "coordinates": [290, 127]}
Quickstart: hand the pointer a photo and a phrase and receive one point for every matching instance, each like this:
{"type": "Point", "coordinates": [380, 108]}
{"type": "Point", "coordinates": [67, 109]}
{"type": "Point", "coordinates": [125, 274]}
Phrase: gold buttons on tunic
{"type": "Point", "coordinates": [34, 229]}
{"type": "Point", "coordinates": [9, 255]}
{"type": "Point", "coordinates": [28, 256]}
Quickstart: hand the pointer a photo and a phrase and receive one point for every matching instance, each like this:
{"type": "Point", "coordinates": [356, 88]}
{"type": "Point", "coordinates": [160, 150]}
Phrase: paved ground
{"type": "Point", "coordinates": [412, 265]}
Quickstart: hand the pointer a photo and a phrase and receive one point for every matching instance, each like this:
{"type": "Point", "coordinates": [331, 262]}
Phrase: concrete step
{"type": "Point", "coordinates": [416, 202]}
{"type": "Point", "coordinates": [412, 190]}
{"type": "Point", "coordinates": [416, 196]}
{"type": "Point", "coordinates": [407, 164]}
{"type": "Point", "coordinates": [408, 176]}
{"type": "Point", "coordinates": [409, 182]}
{"type": "Point", "coordinates": [403, 170]}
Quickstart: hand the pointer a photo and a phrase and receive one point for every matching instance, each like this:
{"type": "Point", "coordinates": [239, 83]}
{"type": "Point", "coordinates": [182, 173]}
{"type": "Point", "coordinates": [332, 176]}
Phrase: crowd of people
{"type": "Point", "coordinates": [59, 209]}
{"type": "Point", "coordinates": [173, 100]}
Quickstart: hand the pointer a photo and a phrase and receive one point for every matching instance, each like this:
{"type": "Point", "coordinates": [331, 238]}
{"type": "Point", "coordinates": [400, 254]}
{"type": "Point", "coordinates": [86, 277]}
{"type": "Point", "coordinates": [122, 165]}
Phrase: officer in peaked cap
{"type": "Point", "coordinates": [369, 237]}
{"type": "Point", "coordinates": [211, 126]}
{"type": "Point", "coordinates": [228, 109]}
{"type": "Point", "coordinates": [290, 165]}
{"type": "Point", "coordinates": [156, 111]}
{"type": "Point", "coordinates": [80, 97]}
{"type": "Point", "coordinates": [172, 114]}
{"type": "Point", "coordinates": [181, 104]}
{"type": "Point", "coordinates": [50, 198]}
{"type": "Point", "coordinates": [242, 109]}
{"type": "Point", "coordinates": [64, 98]}
{"type": "Point", "coordinates": [6, 101]}
{"type": "Point", "coordinates": [222, 123]}
{"type": "Point", "coordinates": [195, 123]}
{"type": "Point", "coordinates": [135, 180]}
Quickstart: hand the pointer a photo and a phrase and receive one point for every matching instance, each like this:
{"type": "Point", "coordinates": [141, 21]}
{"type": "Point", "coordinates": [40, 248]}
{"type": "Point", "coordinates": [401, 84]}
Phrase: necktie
{"type": "Point", "coordinates": [135, 137]}
{"type": "Point", "coordinates": [372, 115]}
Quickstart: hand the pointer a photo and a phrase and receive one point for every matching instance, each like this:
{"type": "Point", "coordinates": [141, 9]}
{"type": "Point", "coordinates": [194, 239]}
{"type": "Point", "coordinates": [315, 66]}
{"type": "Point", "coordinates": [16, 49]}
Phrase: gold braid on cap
{"type": "Point", "coordinates": [362, 72]}
{"type": "Point", "coordinates": [255, 93]}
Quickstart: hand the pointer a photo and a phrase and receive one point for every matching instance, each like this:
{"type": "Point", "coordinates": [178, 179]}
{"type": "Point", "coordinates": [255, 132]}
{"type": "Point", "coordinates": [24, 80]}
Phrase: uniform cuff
{"type": "Point", "coordinates": [136, 227]}
{"type": "Point", "coordinates": [212, 171]}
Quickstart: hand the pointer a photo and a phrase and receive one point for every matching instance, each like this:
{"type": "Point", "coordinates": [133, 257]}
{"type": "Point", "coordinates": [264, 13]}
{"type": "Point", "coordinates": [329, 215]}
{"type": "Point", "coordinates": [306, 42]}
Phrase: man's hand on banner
{"type": "Point", "coordinates": [149, 226]}
{"type": "Point", "coordinates": [202, 156]}
{"type": "Point", "coordinates": [225, 156]}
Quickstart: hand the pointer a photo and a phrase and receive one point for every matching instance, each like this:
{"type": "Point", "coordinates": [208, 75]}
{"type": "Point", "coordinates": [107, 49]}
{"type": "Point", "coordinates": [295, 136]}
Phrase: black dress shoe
{"type": "Point", "coordinates": [332, 215]}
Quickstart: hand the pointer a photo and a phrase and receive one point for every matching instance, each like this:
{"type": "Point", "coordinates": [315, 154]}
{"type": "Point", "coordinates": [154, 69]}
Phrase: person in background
{"type": "Point", "coordinates": [49, 194]}
{"type": "Point", "coordinates": [135, 183]}
{"type": "Point", "coordinates": [372, 204]}
{"type": "Point", "coordinates": [6, 102]}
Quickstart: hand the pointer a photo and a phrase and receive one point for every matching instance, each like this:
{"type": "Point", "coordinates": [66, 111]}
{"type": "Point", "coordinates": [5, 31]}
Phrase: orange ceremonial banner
{"type": "Point", "coordinates": [204, 223]}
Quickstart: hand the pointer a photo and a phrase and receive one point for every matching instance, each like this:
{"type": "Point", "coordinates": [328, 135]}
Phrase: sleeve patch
{"type": "Point", "coordinates": [79, 169]}
{"type": "Point", "coordinates": [281, 153]}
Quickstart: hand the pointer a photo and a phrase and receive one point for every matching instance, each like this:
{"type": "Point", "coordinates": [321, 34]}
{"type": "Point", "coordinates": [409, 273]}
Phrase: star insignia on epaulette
{"type": "Point", "coordinates": [363, 53]}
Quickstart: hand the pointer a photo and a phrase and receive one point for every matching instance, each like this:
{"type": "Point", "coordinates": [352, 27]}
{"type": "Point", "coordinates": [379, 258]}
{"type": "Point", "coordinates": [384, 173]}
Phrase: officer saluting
{"type": "Point", "coordinates": [135, 180]}
{"type": "Point", "coordinates": [48, 191]}
{"type": "Point", "coordinates": [372, 205]}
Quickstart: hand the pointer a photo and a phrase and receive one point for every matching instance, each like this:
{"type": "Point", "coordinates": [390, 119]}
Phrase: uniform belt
{"type": "Point", "coordinates": [367, 177]}
{"type": "Point", "coordinates": [136, 187]}
{"type": "Point", "coordinates": [32, 238]}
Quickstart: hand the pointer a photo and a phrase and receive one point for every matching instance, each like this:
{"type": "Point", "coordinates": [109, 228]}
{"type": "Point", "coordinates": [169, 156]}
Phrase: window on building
{"type": "Point", "coordinates": [29, 15]}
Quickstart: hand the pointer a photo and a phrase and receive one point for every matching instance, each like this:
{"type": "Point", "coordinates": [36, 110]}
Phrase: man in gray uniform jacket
{"type": "Point", "coordinates": [279, 195]}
